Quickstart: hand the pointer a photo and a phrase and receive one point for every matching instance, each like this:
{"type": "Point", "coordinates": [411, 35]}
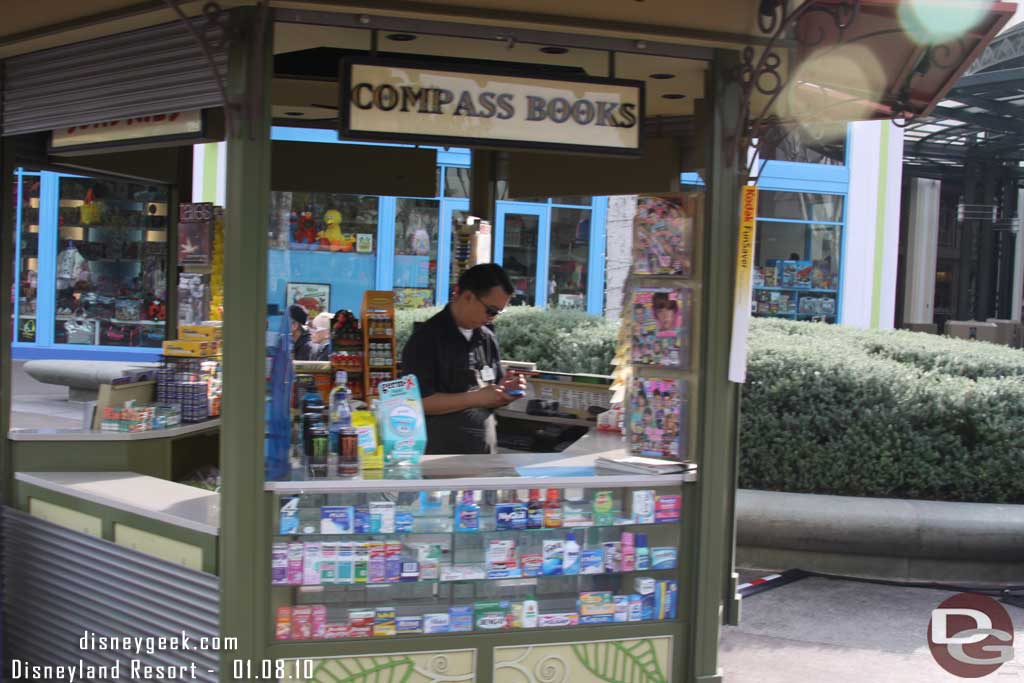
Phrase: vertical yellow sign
{"type": "Point", "coordinates": [744, 285]}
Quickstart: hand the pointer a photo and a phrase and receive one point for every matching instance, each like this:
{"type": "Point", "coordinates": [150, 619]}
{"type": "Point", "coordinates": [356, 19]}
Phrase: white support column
{"type": "Point", "coordinates": [922, 251]}
{"type": "Point", "coordinates": [618, 254]}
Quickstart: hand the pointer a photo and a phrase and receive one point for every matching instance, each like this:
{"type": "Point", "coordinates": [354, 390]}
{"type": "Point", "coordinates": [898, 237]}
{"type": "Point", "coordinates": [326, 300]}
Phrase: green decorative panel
{"type": "Point", "coordinates": [638, 660]}
{"type": "Point", "coordinates": [445, 666]}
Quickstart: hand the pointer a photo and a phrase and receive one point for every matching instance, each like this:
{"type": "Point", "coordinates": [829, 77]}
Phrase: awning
{"type": "Point", "coordinates": [879, 59]}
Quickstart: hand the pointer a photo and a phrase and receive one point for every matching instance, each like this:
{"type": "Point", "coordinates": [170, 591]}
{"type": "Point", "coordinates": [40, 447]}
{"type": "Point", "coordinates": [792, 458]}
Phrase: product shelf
{"type": "Point", "coordinates": [504, 582]}
{"type": "Point", "coordinates": [567, 528]}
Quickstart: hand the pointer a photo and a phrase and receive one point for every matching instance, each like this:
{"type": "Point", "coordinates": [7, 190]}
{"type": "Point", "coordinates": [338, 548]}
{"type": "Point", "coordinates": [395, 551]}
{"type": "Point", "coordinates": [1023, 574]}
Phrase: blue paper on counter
{"type": "Point", "coordinates": [537, 471]}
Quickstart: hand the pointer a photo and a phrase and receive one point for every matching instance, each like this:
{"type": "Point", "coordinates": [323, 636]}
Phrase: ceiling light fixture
{"type": "Point", "coordinates": [400, 37]}
{"type": "Point", "coordinates": [673, 96]}
{"type": "Point", "coordinates": [662, 77]}
{"type": "Point", "coordinates": [554, 50]}
{"type": "Point", "coordinates": [293, 113]}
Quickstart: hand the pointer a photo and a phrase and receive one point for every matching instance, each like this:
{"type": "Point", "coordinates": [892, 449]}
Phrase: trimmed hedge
{"type": "Point", "coordinates": [829, 409]}
{"type": "Point", "coordinates": [563, 341]}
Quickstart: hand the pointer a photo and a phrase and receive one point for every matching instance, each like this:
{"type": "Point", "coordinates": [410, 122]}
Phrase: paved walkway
{"type": "Point", "coordinates": [830, 631]}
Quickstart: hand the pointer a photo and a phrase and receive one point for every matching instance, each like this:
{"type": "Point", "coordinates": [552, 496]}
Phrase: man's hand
{"type": "Point", "coordinates": [513, 382]}
{"type": "Point", "coordinates": [491, 396]}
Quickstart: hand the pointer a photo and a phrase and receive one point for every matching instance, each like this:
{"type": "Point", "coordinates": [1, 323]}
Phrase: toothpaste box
{"type": "Point", "coordinates": [311, 564]}
{"type": "Point", "coordinates": [336, 519]}
{"type": "Point", "coordinates": [361, 618]}
{"type": "Point", "coordinates": [558, 619]}
{"type": "Point", "coordinates": [591, 619]}
{"type": "Point", "coordinates": [384, 621]}
{"type": "Point", "coordinates": [295, 573]}
{"type": "Point", "coordinates": [596, 602]}
{"type": "Point", "coordinates": [460, 618]}
{"type": "Point", "coordinates": [279, 564]}
{"type": "Point", "coordinates": [408, 625]}
{"type": "Point", "coordinates": [621, 608]}
{"type": "Point", "coordinates": [328, 563]}
{"type": "Point", "coordinates": [666, 599]}
{"type": "Point", "coordinates": [319, 621]}
{"type": "Point", "coordinates": [283, 623]}
{"type": "Point", "coordinates": [436, 622]}
{"type": "Point", "coordinates": [664, 557]}
{"type": "Point", "coordinates": [668, 509]}
{"type": "Point", "coordinates": [592, 561]}
{"type": "Point", "coordinates": [302, 622]}
{"type": "Point", "coordinates": [491, 616]}
{"type": "Point", "coordinates": [644, 585]}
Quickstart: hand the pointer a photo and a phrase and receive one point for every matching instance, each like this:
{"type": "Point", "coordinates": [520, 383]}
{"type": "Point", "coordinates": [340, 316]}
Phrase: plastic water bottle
{"type": "Point", "coordinates": [339, 415]}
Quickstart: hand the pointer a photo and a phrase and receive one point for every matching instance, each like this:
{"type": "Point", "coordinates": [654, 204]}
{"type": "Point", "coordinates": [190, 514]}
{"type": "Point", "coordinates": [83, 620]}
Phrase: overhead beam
{"type": "Point", "coordinates": [987, 79]}
{"type": "Point", "coordinates": [986, 121]}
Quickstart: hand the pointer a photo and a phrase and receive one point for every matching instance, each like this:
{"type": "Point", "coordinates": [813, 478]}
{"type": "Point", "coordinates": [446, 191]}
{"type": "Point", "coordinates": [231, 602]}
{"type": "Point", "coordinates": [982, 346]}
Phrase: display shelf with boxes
{"type": "Point", "coordinates": [379, 352]}
{"type": "Point", "coordinates": [359, 559]}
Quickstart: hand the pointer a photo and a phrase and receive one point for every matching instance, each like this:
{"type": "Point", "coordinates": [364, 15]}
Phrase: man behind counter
{"type": "Point", "coordinates": [456, 359]}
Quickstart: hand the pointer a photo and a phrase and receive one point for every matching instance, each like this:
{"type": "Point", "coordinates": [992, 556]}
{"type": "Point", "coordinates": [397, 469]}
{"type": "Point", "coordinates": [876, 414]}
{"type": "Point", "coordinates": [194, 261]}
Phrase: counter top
{"type": "Point", "coordinates": [571, 468]}
{"type": "Point", "coordinates": [185, 506]}
{"type": "Point", "coordinates": [87, 435]}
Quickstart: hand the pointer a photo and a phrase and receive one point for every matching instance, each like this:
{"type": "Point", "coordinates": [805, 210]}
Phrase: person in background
{"type": "Point", "coordinates": [320, 329]}
{"type": "Point", "coordinates": [456, 359]}
{"type": "Point", "coordinates": [303, 347]}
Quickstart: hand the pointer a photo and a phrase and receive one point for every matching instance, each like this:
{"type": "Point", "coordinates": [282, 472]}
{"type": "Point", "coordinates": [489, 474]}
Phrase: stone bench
{"type": "Point", "coordinates": [82, 377]}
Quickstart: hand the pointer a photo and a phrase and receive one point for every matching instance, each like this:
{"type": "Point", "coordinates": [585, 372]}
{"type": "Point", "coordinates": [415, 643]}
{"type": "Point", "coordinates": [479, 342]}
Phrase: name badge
{"type": "Point", "coordinates": [487, 374]}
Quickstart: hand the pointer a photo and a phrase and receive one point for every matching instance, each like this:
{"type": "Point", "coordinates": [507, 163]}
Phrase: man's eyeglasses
{"type": "Point", "coordinates": [492, 312]}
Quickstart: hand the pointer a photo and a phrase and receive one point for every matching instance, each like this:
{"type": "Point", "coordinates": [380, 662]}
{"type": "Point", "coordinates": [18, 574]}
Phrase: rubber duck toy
{"type": "Point", "coordinates": [331, 236]}
{"type": "Point", "coordinates": [305, 233]}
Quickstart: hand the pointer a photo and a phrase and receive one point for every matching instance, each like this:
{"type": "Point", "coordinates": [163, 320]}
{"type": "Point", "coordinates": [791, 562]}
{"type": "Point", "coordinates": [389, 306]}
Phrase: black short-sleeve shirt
{"type": "Point", "coordinates": [444, 362]}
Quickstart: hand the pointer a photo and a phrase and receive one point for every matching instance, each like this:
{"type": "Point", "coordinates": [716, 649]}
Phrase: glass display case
{"type": "Point", "coordinates": [411, 555]}
{"type": "Point", "coordinates": [111, 263]}
{"type": "Point", "coordinates": [27, 268]}
{"type": "Point", "coordinates": [416, 243]}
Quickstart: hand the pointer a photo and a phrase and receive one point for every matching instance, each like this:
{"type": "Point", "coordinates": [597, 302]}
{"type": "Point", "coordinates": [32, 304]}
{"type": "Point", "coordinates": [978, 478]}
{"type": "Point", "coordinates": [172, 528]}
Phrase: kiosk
{"type": "Point", "coordinates": [621, 103]}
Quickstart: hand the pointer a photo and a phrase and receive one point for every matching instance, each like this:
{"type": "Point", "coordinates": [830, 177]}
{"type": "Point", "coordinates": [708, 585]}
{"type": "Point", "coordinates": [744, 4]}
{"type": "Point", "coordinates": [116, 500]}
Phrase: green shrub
{"type": "Point", "coordinates": [556, 340]}
{"type": "Point", "coordinates": [828, 409]}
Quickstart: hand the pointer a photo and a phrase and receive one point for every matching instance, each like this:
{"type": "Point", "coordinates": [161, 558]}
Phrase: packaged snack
{"type": "Point", "coordinates": [336, 519]}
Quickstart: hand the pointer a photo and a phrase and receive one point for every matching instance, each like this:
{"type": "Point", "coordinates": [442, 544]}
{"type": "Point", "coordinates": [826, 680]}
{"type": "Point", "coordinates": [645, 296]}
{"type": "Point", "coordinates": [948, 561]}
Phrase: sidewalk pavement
{"type": "Point", "coordinates": [819, 630]}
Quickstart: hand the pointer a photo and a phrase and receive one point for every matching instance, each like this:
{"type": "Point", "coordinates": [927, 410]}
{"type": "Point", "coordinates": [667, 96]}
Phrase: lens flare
{"type": "Point", "coordinates": [834, 84]}
{"type": "Point", "coordinates": [927, 22]}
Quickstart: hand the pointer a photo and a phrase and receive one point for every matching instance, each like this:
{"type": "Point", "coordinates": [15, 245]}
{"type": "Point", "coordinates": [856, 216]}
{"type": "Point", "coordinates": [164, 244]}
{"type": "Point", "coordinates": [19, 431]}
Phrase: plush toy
{"type": "Point", "coordinates": [331, 236]}
{"type": "Point", "coordinates": [348, 243]}
{"type": "Point", "coordinates": [305, 233]}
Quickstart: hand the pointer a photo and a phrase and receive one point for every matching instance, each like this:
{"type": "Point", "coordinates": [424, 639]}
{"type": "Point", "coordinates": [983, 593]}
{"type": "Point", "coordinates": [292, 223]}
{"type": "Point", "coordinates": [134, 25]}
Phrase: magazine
{"type": "Point", "coordinates": [661, 327]}
{"type": "Point", "coordinates": [658, 417]}
{"type": "Point", "coordinates": [635, 465]}
{"type": "Point", "coordinates": [663, 235]}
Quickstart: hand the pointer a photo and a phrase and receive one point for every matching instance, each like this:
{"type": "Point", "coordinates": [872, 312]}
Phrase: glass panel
{"type": "Point", "coordinates": [826, 146]}
{"type": "Point", "coordinates": [573, 200]}
{"type": "Point", "coordinates": [28, 260]}
{"type": "Point", "coordinates": [522, 231]}
{"type": "Point", "coordinates": [803, 206]}
{"type": "Point", "coordinates": [456, 181]}
{"type": "Point", "coordinates": [570, 252]}
{"type": "Point", "coordinates": [111, 263]}
{"type": "Point", "coordinates": [458, 218]}
{"type": "Point", "coordinates": [416, 252]}
{"type": "Point", "coordinates": [796, 270]}
{"type": "Point", "coordinates": [325, 239]}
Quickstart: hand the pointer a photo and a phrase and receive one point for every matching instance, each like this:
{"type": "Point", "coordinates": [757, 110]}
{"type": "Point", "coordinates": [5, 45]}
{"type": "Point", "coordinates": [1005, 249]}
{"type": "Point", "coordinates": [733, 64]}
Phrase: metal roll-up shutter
{"type": "Point", "coordinates": [155, 70]}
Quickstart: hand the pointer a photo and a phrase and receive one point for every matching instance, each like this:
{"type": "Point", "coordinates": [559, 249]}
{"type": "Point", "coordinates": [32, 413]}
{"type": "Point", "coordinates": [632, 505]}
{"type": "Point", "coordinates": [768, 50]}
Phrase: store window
{"type": "Point", "coordinates": [820, 144]}
{"type": "Point", "coordinates": [27, 266]}
{"type": "Point", "coordinates": [797, 255]}
{"type": "Point", "coordinates": [323, 247]}
{"type": "Point", "coordinates": [456, 181]}
{"type": "Point", "coordinates": [111, 278]}
{"type": "Point", "coordinates": [570, 256]}
{"type": "Point", "coordinates": [520, 258]}
{"type": "Point", "coordinates": [416, 239]}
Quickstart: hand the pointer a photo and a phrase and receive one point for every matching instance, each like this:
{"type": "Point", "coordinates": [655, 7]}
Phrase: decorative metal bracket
{"type": "Point", "coordinates": [216, 34]}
